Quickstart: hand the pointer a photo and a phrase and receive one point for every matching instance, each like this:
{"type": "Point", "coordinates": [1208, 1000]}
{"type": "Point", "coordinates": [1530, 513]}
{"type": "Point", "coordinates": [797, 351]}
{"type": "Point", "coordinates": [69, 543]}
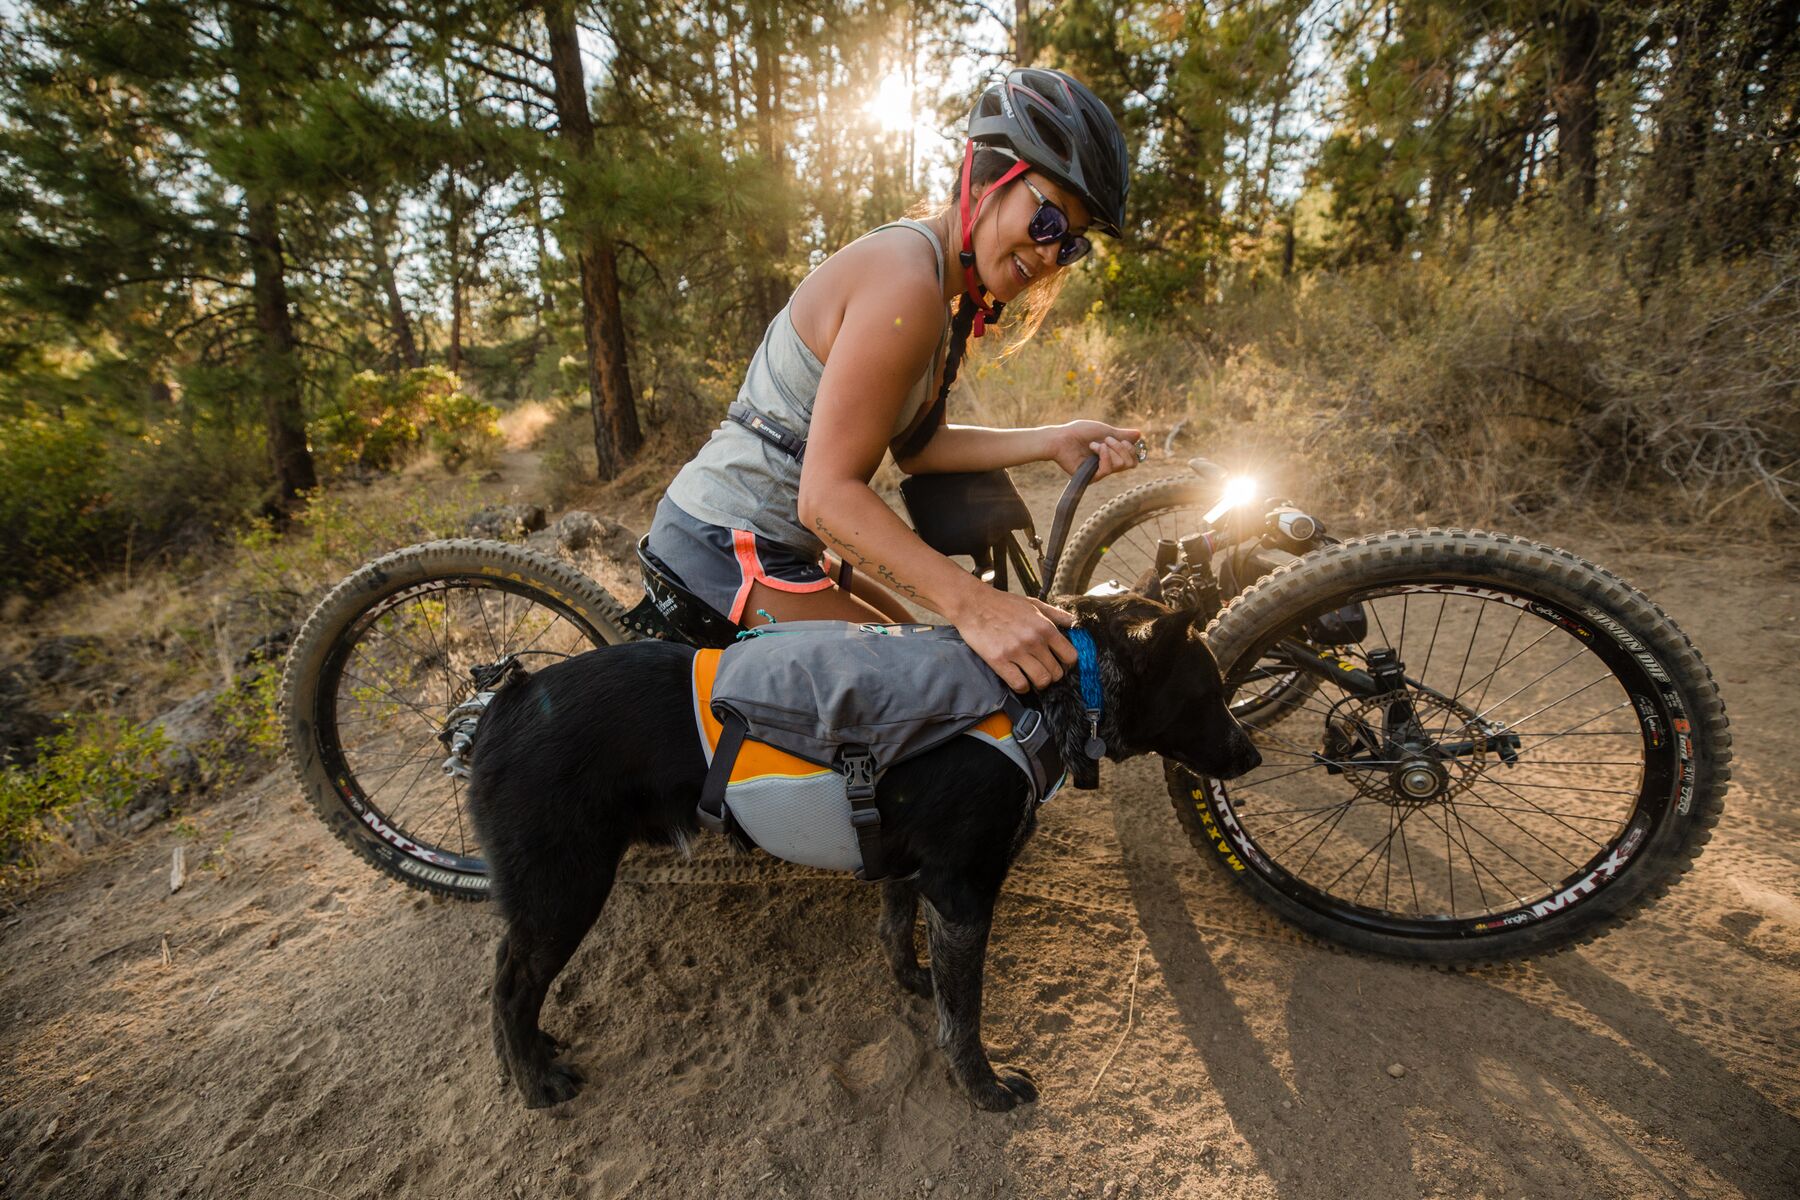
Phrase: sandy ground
{"type": "Point", "coordinates": [293, 1025]}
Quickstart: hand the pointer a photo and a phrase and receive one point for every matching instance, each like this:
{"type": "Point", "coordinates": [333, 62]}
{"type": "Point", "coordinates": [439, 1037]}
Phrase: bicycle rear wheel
{"type": "Point", "coordinates": [379, 669]}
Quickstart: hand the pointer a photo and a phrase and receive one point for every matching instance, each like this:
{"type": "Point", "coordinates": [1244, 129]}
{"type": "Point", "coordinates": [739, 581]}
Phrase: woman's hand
{"type": "Point", "coordinates": [1071, 444]}
{"type": "Point", "coordinates": [1019, 637]}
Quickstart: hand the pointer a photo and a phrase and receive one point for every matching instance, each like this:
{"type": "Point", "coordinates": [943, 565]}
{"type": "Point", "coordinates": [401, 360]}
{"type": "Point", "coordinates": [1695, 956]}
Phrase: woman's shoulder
{"type": "Point", "coordinates": [891, 267]}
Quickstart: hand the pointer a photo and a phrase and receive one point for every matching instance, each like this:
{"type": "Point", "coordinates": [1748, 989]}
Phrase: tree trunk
{"type": "Point", "coordinates": [277, 363]}
{"type": "Point", "coordinates": [1575, 98]}
{"type": "Point", "coordinates": [453, 199]}
{"type": "Point", "coordinates": [1024, 41]}
{"type": "Point", "coordinates": [1683, 122]}
{"type": "Point", "coordinates": [771, 286]}
{"type": "Point", "coordinates": [617, 436]}
{"type": "Point", "coordinates": [406, 348]}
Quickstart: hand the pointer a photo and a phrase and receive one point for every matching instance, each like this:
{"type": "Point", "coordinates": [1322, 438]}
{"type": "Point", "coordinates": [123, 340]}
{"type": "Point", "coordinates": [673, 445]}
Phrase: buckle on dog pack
{"type": "Point", "coordinates": [858, 768]}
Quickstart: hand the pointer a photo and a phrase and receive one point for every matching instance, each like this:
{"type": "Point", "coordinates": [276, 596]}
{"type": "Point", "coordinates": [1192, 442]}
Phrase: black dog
{"type": "Point", "coordinates": [584, 758]}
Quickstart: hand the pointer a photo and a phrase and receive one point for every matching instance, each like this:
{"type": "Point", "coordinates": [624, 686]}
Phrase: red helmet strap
{"type": "Point", "coordinates": [983, 311]}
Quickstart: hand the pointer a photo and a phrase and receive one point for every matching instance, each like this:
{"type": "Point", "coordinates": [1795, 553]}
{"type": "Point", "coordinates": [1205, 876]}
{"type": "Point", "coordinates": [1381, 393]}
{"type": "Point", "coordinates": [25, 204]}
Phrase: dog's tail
{"type": "Point", "coordinates": [505, 695]}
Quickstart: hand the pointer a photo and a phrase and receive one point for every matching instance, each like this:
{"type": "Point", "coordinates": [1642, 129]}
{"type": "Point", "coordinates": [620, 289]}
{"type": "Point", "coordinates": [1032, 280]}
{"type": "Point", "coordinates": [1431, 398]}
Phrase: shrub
{"type": "Point", "coordinates": [56, 512]}
{"type": "Point", "coordinates": [379, 421]}
{"type": "Point", "coordinates": [99, 764]}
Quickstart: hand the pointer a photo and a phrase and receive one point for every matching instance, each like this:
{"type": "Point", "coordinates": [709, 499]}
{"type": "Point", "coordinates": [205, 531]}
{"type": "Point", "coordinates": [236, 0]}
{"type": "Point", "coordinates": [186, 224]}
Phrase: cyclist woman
{"type": "Point", "coordinates": [849, 368]}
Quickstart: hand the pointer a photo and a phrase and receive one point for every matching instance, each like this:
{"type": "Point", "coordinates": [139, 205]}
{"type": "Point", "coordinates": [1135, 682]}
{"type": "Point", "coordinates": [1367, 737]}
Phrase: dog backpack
{"type": "Point", "coordinates": [800, 720]}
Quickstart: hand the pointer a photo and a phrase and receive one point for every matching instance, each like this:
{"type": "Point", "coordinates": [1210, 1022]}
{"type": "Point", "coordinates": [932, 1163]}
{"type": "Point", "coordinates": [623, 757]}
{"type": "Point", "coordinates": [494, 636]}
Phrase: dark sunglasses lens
{"type": "Point", "coordinates": [1048, 224]}
{"type": "Point", "coordinates": [1073, 251]}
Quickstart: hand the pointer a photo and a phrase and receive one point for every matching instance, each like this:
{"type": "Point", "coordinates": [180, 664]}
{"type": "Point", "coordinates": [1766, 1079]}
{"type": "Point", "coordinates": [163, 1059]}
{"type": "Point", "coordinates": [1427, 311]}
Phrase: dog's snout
{"type": "Point", "coordinates": [1244, 757]}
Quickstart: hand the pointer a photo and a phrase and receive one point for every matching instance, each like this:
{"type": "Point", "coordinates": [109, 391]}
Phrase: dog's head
{"type": "Point", "coordinates": [1161, 688]}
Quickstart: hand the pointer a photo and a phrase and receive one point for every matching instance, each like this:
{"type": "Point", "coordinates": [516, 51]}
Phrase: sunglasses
{"type": "Point", "coordinates": [1051, 224]}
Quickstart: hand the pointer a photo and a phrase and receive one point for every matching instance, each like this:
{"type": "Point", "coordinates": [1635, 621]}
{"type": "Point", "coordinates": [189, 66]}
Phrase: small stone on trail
{"type": "Point", "coordinates": [50, 1130]}
{"type": "Point", "coordinates": [1287, 1104]}
{"type": "Point", "coordinates": [1110, 1190]}
{"type": "Point", "coordinates": [1396, 1070]}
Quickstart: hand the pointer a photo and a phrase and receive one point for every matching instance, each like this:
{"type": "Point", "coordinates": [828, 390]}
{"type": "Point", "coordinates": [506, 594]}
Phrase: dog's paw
{"type": "Point", "coordinates": [916, 980]}
{"type": "Point", "coordinates": [559, 1082]}
{"type": "Point", "coordinates": [1008, 1088]}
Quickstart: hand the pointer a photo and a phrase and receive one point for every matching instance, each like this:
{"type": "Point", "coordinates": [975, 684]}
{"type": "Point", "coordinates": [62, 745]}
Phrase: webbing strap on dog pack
{"type": "Point", "coordinates": [858, 766]}
{"type": "Point", "coordinates": [712, 811]}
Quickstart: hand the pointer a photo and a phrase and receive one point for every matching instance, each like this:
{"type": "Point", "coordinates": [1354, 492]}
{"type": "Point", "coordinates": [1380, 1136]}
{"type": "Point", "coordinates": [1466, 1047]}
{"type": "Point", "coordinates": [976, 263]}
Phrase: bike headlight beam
{"type": "Point", "coordinates": [1237, 491]}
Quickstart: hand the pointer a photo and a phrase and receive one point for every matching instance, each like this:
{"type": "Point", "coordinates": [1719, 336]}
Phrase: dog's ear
{"type": "Point", "coordinates": [1170, 631]}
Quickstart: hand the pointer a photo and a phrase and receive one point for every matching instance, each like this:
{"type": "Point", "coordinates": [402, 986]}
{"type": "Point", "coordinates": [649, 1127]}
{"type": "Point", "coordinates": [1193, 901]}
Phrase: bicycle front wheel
{"type": "Point", "coordinates": [1520, 753]}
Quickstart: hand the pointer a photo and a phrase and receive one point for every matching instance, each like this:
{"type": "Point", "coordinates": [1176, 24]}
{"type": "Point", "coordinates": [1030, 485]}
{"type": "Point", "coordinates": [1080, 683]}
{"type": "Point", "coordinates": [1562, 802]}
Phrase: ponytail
{"type": "Point", "coordinates": [961, 324]}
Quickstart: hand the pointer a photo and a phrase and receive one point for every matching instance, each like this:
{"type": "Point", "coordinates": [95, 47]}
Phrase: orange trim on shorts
{"type": "Point", "coordinates": [743, 544]}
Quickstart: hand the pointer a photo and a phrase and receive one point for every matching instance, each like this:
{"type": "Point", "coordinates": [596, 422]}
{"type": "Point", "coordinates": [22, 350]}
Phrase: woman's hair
{"type": "Point", "coordinates": [1029, 307]}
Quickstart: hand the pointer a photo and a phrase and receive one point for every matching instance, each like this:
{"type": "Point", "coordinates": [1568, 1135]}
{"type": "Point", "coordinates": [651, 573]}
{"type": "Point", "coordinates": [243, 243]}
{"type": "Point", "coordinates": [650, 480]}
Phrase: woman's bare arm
{"type": "Point", "coordinates": [887, 336]}
{"type": "Point", "coordinates": [974, 448]}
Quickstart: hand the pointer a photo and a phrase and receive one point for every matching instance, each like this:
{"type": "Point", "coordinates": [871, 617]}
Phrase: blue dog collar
{"type": "Point", "coordinates": [1087, 674]}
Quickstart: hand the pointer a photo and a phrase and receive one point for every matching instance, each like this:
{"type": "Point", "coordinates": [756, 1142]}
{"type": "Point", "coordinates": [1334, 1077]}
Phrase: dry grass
{"type": "Point", "coordinates": [1521, 377]}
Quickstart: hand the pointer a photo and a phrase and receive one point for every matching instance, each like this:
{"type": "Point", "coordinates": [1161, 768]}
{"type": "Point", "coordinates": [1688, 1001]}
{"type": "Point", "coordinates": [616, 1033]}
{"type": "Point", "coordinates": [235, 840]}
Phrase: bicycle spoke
{"type": "Point", "coordinates": [1413, 879]}
{"type": "Point", "coordinates": [1546, 812]}
{"type": "Point", "coordinates": [1478, 832]}
{"type": "Point", "coordinates": [1331, 829]}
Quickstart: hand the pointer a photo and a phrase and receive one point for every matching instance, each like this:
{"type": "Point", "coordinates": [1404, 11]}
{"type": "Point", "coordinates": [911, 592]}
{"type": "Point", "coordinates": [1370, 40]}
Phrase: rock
{"type": "Point", "coordinates": [21, 725]}
{"type": "Point", "coordinates": [507, 522]}
{"type": "Point", "coordinates": [65, 659]}
{"type": "Point", "coordinates": [187, 729]}
{"type": "Point", "coordinates": [582, 530]}
{"type": "Point", "coordinates": [1396, 1070]}
{"type": "Point", "coordinates": [580, 535]}
{"type": "Point", "coordinates": [1109, 1190]}
{"type": "Point", "coordinates": [267, 648]}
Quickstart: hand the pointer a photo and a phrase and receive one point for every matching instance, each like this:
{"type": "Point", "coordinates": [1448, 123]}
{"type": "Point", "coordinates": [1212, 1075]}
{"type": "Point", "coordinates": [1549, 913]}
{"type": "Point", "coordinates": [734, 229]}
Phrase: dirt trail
{"type": "Point", "coordinates": [292, 1025]}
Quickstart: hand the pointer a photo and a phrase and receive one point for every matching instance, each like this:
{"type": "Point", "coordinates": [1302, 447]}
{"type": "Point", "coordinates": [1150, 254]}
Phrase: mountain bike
{"type": "Point", "coordinates": [1474, 746]}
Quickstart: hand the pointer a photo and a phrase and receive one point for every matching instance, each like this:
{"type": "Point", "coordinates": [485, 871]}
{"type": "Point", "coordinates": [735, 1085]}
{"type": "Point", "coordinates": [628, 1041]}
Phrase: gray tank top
{"type": "Point", "coordinates": [740, 481]}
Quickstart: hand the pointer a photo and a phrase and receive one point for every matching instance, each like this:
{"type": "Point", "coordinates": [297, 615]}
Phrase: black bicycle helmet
{"type": "Point", "coordinates": [1052, 122]}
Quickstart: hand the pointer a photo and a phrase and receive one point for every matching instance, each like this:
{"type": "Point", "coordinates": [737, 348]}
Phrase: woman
{"type": "Point", "coordinates": [849, 368]}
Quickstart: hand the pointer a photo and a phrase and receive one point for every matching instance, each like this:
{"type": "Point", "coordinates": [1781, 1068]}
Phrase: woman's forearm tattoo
{"type": "Point", "coordinates": [866, 563]}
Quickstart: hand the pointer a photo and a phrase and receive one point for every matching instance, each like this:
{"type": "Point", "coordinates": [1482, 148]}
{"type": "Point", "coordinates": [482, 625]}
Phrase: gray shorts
{"type": "Point", "coordinates": [719, 565]}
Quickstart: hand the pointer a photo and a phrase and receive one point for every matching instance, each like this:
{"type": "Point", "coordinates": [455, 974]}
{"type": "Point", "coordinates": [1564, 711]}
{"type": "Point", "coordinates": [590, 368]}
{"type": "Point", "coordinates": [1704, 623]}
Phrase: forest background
{"type": "Point", "coordinates": [273, 273]}
{"type": "Point", "coordinates": [1469, 257]}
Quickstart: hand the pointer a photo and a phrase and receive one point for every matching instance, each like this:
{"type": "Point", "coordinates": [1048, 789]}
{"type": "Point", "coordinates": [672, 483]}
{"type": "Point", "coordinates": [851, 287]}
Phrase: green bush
{"type": "Point", "coordinates": [100, 762]}
{"type": "Point", "coordinates": [461, 428]}
{"type": "Point", "coordinates": [56, 510]}
{"type": "Point", "coordinates": [379, 421]}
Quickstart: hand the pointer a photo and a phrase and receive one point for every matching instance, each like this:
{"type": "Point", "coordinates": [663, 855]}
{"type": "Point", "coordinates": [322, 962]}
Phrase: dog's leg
{"type": "Point", "coordinates": [957, 933]}
{"type": "Point", "coordinates": [899, 912]}
{"type": "Point", "coordinates": [534, 951]}
{"type": "Point", "coordinates": [552, 1045]}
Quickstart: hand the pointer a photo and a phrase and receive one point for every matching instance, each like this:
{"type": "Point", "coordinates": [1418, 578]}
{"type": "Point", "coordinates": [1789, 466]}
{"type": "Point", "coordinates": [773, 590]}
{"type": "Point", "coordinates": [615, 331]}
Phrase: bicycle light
{"type": "Point", "coordinates": [1237, 491]}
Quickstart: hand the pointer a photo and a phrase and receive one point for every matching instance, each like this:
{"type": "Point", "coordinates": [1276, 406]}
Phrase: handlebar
{"type": "Point", "coordinates": [1065, 514]}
